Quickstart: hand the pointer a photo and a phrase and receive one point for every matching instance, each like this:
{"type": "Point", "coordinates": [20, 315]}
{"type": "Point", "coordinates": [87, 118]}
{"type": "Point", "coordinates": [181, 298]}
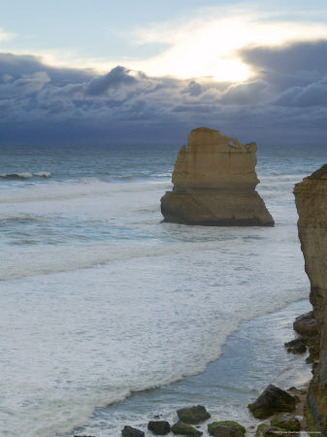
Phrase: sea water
{"type": "Point", "coordinates": [110, 318]}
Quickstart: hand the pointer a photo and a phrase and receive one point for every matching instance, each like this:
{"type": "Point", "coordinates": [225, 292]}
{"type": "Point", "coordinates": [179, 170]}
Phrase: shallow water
{"type": "Point", "coordinates": [253, 357]}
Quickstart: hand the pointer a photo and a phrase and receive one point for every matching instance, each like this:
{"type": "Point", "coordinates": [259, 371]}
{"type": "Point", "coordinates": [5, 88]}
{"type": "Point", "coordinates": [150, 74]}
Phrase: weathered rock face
{"type": "Point", "coordinates": [306, 325]}
{"type": "Point", "coordinates": [311, 203]}
{"type": "Point", "coordinates": [159, 427]}
{"type": "Point", "coordinates": [272, 400]}
{"type": "Point", "coordinates": [226, 428]}
{"type": "Point", "coordinates": [193, 415]}
{"type": "Point", "coordinates": [214, 183]}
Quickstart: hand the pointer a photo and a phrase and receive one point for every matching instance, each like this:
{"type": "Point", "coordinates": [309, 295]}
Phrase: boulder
{"type": "Point", "coordinates": [272, 400]}
{"type": "Point", "coordinates": [193, 415]}
{"type": "Point", "coordinates": [297, 346]}
{"type": "Point", "coordinates": [265, 430]}
{"type": "Point", "coordinates": [159, 427]}
{"type": "Point", "coordinates": [214, 183]}
{"type": "Point", "coordinates": [227, 428]}
{"type": "Point", "coordinates": [182, 428]}
{"type": "Point", "coordinates": [286, 421]}
{"type": "Point", "coordinates": [306, 325]}
{"type": "Point", "coordinates": [128, 431]}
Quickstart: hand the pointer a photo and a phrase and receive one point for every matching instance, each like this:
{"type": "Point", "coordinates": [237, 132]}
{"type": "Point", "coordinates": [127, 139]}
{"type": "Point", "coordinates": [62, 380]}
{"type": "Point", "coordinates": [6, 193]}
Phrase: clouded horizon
{"type": "Point", "coordinates": [253, 73]}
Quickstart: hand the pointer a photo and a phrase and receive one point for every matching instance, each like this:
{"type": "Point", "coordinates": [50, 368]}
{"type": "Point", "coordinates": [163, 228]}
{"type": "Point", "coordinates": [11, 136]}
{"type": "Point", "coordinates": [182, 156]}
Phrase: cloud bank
{"type": "Point", "coordinates": [286, 102]}
{"type": "Point", "coordinates": [206, 44]}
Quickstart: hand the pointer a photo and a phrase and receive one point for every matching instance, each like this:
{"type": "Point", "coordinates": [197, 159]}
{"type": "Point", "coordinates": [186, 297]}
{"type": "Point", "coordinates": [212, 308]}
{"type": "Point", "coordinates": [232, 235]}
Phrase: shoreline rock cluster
{"type": "Point", "coordinates": [274, 404]}
{"type": "Point", "coordinates": [307, 339]}
{"type": "Point", "coordinates": [187, 425]}
{"type": "Point", "coordinates": [279, 412]}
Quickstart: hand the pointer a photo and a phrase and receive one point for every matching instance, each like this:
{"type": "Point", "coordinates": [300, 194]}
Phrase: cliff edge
{"type": "Point", "coordinates": [214, 183]}
{"type": "Point", "coordinates": [311, 203]}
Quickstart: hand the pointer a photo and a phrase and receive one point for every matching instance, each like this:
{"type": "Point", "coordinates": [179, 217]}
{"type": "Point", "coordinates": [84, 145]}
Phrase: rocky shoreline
{"type": "Point", "coordinates": [279, 411]}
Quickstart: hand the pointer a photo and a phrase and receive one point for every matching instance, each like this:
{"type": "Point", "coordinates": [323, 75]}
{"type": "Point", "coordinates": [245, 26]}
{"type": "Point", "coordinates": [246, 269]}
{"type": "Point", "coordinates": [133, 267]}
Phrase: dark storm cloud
{"type": "Point", "coordinates": [293, 65]}
{"type": "Point", "coordinates": [194, 89]}
{"type": "Point", "coordinates": [304, 56]}
{"type": "Point", "coordinates": [314, 94]}
{"type": "Point", "coordinates": [246, 93]}
{"type": "Point", "coordinates": [117, 77]}
{"type": "Point", "coordinates": [16, 66]}
{"type": "Point", "coordinates": [296, 75]}
{"type": "Point", "coordinates": [287, 99]}
{"type": "Point", "coordinates": [27, 84]}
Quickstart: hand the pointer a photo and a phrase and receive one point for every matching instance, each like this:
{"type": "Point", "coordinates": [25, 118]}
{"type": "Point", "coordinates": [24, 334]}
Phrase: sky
{"type": "Point", "coordinates": [76, 71]}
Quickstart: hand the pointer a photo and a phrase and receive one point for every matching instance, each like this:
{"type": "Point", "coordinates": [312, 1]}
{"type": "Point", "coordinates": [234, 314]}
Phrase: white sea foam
{"type": "Point", "coordinates": [42, 174]}
{"type": "Point", "coordinates": [128, 325]}
{"type": "Point", "coordinates": [74, 189]}
{"type": "Point", "coordinates": [25, 175]}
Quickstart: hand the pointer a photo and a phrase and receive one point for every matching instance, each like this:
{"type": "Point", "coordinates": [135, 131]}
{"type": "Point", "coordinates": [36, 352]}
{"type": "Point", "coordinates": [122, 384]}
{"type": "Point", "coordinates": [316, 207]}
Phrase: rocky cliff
{"type": "Point", "coordinates": [214, 183]}
{"type": "Point", "coordinates": [311, 203]}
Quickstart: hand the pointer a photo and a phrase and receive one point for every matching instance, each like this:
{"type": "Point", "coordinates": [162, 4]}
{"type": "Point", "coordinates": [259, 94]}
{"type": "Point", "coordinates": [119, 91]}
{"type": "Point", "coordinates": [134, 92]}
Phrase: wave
{"type": "Point", "coordinates": [76, 189]}
{"type": "Point", "coordinates": [22, 219]}
{"type": "Point", "coordinates": [283, 178]}
{"type": "Point", "coordinates": [42, 174]}
{"type": "Point", "coordinates": [58, 259]}
{"type": "Point", "coordinates": [53, 259]}
{"type": "Point", "coordinates": [25, 175]}
{"type": "Point", "coordinates": [143, 175]}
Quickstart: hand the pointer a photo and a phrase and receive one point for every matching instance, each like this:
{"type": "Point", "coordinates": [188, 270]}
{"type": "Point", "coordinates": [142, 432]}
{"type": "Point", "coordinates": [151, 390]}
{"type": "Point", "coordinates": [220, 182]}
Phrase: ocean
{"type": "Point", "coordinates": [110, 317]}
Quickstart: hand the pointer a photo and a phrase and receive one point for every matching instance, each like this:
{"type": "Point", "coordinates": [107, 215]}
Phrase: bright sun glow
{"type": "Point", "coordinates": [207, 46]}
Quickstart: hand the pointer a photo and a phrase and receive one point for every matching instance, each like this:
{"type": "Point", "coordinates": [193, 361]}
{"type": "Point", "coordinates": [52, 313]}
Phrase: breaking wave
{"type": "Point", "coordinates": [25, 175]}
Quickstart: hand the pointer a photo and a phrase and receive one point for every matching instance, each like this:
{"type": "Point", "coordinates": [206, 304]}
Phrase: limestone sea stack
{"type": "Point", "coordinates": [214, 183]}
{"type": "Point", "coordinates": [311, 203]}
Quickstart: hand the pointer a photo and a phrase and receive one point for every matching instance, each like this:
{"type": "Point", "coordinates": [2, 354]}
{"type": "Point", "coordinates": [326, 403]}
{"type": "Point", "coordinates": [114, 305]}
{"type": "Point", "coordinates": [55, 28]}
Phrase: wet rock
{"type": "Point", "coordinates": [297, 346]}
{"type": "Point", "coordinates": [265, 430]}
{"type": "Point", "coordinates": [159, 427]}
{"type": "Point", "coordinates": [272, 400]}
{"type": "Point", "coordinates": [306, 325]}
{"type": "Point", "coordinates": [193, 415]}
{"type": "Point", "coordinates": [128, 431]}
{"type": "Point", "coordinates": [182, 428]}
{"type": "Point", "coordinates": [314, 349]}
{"type": "Point", "coordinates": [226, 428]}
{"type": "Point", "coordinates": [286, 421]}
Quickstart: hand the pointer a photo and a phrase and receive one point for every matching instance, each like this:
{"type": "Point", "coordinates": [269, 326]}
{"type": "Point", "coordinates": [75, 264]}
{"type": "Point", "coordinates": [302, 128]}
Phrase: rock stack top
{"type": "Point", "coordinates": [214, 183]}
{"type": "Point", "coordinates": [212, 160]}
